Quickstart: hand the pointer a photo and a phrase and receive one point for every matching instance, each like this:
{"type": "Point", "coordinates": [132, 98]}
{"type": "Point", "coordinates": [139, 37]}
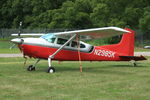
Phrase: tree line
{"type": "Point", "coordinates": [75, 14]}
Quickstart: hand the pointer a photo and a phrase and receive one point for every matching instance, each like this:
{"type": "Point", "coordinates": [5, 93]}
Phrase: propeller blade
{"type": "Point", "coordinates": [12, 46]}
{"type": "Point", "coordinates": [19, 34]}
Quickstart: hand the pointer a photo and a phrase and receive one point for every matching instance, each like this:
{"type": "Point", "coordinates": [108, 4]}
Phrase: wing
{"type": "Point", "coordinates": [96, 32]}
{"type": "Point", "coordinates": [86, 33]}
{"type": "Point", "coordinates": [28, 34]}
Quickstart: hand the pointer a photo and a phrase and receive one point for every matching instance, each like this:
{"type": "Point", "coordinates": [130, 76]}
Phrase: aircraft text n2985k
{"type": "Point", "coordinates": [105, 53]}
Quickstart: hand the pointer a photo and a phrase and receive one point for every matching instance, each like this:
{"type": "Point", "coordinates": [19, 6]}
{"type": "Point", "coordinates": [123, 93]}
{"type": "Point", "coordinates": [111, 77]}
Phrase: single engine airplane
{"type": "Point", "coordinates": [66, 46]}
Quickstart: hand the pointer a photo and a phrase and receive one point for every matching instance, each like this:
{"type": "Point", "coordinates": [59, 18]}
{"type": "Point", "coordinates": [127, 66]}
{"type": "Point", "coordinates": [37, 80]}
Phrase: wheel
{"type": "Point", "coordinates": [31, 68]}
{"type": "Point", "coordinates": [134, 64]}
{"type": "Point", "coordinates": [51, 70]}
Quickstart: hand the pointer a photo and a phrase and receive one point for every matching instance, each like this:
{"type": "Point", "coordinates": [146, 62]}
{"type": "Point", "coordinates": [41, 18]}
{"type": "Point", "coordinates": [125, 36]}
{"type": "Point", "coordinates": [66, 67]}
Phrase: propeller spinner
{"type": "Point", "coordinates": [17, 40]}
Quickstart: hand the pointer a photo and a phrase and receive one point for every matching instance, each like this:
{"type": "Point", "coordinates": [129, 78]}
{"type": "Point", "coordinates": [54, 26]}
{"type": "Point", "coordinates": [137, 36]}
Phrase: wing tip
{"type": "Point", "coordinates": [119, 29]}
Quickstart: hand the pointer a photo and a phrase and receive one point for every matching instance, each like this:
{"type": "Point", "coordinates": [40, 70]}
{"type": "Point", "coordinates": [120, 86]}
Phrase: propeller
{"type": "Point", "coordinates": [18, 40]}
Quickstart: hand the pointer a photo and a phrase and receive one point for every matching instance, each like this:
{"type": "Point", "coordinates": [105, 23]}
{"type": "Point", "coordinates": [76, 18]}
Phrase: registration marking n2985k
{"type": "Point", "coordinates": [105, 53]}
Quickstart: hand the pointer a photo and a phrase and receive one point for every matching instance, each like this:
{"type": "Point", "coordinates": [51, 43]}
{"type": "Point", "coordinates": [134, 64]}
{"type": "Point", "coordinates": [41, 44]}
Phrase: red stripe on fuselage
{"type": "Point", "coordinates": [98, 54]}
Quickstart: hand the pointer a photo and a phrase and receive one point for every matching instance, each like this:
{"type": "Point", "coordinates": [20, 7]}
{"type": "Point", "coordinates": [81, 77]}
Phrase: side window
{"type": "Point", "coordinates": [62, 41]}
{"type": "Point", "coordinates": [74, 44]}
{"type": "Point", "coordinates": [82, 45]}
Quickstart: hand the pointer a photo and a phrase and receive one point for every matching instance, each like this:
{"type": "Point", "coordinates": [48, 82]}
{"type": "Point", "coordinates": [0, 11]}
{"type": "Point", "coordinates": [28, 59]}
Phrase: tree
{"type": "Point", "coordinates": [74, 13]}
{"type": "Point", "coordinates": [145, 20]}
{"type": "Point", "coordinates": [132, 16]}
{"type": "Point", "coordinates": [116, 22]}
{"type": "Point", "coordinates": [100, 15]}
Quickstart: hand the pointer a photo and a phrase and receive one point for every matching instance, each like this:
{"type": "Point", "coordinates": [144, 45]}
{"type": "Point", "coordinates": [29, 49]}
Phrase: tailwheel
{"type": "Point", "coordinates": [51, 70]}
{"type": "Point", "coordinates": [31, 68]}
{"type": "Point", "coordinates": [134, 64]}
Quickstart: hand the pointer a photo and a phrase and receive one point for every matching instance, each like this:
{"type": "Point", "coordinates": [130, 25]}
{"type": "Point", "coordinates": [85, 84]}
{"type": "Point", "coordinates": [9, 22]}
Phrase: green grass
{"type": "Point", "coordinates": [141, 50]}
{"type": "Point", "coordinates": [5, 47]}
{"type": "Point", "coordinates": [98, 81]}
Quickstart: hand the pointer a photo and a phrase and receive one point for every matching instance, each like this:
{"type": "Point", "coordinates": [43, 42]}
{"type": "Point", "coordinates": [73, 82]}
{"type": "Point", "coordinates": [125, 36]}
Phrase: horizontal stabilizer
{"type": "Point", "coordinates": [136, 58]}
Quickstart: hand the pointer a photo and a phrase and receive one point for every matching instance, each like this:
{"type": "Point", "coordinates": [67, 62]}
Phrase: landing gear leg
{"type": "Point", "coordinates": [50, 69]}
{"type": "Point", "coordinates": [32, 67]}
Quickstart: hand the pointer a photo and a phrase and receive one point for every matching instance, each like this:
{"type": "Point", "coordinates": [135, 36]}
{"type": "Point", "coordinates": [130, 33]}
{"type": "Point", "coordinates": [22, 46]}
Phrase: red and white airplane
{"type": "Point", "coordinates": [66, 46]}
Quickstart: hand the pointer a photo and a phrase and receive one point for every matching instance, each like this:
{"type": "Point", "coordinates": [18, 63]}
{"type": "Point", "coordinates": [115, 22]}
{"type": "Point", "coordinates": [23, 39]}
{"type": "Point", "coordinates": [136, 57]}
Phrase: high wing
{"type": "Point", "coordinates": [87, 33]}
{"type": "Point", "coordinates": [28, 34]}
{"type": "Point", "coordinates": [96, 32]}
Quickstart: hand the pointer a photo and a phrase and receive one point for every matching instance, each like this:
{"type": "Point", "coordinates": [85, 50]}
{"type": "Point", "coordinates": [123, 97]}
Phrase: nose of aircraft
{"type": "Point", "coordinates": [17, 40]}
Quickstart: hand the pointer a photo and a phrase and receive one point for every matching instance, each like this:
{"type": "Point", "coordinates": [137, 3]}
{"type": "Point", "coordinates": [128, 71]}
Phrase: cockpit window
{"type": "Point", "coordinates": [62, 41]}
{"type": "Point", "coordinates": [49, 37]}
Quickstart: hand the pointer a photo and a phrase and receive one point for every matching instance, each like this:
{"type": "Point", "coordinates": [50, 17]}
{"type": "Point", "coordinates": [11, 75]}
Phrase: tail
{"type": "Point", "coordinates": [126, 46]}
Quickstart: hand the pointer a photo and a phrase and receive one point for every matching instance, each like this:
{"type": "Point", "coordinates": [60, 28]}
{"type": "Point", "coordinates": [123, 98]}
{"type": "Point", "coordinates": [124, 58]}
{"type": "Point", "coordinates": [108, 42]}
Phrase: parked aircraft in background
{"type": "Point", "coordinates": [147, 47]}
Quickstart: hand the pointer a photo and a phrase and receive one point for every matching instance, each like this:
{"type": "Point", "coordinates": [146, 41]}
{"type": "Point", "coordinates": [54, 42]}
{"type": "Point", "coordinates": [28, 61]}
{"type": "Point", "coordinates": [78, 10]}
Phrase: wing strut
{"type": "Point", "coordinates": [51, 69]}
{"type": "Point", "coordinates": [78, 39]}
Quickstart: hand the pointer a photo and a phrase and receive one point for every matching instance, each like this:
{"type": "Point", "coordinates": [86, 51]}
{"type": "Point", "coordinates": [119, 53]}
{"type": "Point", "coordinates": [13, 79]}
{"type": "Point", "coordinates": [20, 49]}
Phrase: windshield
{"type": "Point", "coordinates": [49, 37]}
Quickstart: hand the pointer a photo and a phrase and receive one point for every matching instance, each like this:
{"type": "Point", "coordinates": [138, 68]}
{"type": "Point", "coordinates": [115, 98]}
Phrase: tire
{"type": "Point", "coordinates": [31, 68]}
{"type": "Point", "coordinates": [51, 70]}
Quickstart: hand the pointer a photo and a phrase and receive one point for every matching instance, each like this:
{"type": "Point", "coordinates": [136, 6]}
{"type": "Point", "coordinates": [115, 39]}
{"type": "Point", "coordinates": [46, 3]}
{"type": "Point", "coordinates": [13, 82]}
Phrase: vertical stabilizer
{"type": "Point", "coordinates": [126, 46]}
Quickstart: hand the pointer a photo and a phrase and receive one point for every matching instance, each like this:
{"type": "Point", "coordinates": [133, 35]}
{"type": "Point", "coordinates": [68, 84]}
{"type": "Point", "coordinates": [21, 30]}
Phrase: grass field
{"type": "Point", "coordinates": [5, 45]}
{"type": "Point", "coordinates": [98, 81]}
